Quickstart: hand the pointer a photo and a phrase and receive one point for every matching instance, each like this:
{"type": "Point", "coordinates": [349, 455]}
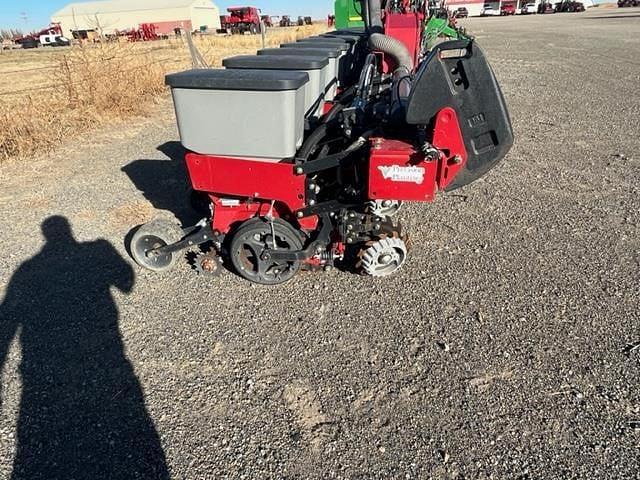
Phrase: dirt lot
{"type": "Point", "coordinates": [507, 348]}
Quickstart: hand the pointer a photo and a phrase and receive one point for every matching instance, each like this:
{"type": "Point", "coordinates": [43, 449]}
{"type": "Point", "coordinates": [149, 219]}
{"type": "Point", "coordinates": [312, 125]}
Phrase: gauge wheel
{"type": "Point", "coordinates": [152, 235]}
{"type": "Point", "coordinates": [249, 244]}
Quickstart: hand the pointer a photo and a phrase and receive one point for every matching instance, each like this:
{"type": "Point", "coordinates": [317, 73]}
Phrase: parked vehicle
{"type": "Point", "coordinates": [461, 12]}
{"type": "Point", "coordinates": [308, 21]}
{"type": "Point", "coordinates": [241, 20]}
{"type": "Point", "coordinates": [286, 21]}
{"type": "Point", "coordinates": [28, 43]}
{"type": "Point", "coordinates": [545, 8]}
{"type": "Point", "coordinates": [568, 6]}
{"type": "Point", "coordinates": [9, 45]}
{"type": "Point", "coordinates": [628, 3]}
{"type": "Point", "coordinates": [50, 36]}
{"type": "Point", "coordinates": [54, 40]}
{"type": "Point", "coordinates": [300, 21]}
{"type": "Point", "coordinates": [489, 11]}
{"type": "Point", "coordinates": [508, 9]}
{"type": "Point", "coordinates": [528, 9]}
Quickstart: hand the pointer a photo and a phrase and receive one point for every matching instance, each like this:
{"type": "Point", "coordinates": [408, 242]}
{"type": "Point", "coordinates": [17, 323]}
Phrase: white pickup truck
{"type": "Point", "coordinates": [54, 40]}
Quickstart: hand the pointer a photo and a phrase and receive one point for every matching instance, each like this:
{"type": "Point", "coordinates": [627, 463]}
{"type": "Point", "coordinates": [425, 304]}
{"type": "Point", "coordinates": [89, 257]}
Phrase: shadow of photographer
{"type": "Point", "coordinates": [82, 411]}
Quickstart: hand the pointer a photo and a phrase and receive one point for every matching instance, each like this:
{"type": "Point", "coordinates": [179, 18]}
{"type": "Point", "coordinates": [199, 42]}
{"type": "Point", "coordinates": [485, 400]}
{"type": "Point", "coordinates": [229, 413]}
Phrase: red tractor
{"type": "Point", "coordinates": [311, 179]}
{"type": "Point", "coordinates": [241, 20]}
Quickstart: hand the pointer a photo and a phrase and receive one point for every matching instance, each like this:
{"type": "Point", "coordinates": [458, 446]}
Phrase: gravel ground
{"type": "Point", "coordinates": [504, 349]}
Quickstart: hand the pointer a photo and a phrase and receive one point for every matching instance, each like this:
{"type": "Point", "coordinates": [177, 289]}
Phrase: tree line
{"type": "Point", "coordinates": [10, 33]}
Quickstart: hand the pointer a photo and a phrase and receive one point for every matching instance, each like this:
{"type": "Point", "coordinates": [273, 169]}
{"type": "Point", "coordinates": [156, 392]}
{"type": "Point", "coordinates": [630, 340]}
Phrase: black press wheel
{"type": "Point", "coordinates": [152, 235]}
{"type": "Point", "coordinates": [253, 239]}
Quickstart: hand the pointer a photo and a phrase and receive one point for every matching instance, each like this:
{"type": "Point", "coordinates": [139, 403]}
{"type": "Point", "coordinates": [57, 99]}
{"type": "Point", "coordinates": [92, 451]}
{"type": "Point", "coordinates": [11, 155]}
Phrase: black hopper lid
{"type": "Point", "coordinates": [285, 62]}
{"type": "Point", "coordinates": [256, 80]}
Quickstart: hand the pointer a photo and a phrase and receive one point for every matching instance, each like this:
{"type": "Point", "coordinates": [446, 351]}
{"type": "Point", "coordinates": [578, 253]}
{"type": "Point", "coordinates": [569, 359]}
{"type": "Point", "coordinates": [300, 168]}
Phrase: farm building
{"type": "Point", "coordinates": [108, 16]}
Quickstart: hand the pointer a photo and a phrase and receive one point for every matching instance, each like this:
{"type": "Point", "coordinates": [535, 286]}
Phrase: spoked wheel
{"type": "Point", "coordinates": [208, 264]}
{"type": "Point", "coordinates": [384, 208]}
{"type": "Point", "coordinates": [250, 243]}
{"type": "Point", "coordinates": [152, 235]}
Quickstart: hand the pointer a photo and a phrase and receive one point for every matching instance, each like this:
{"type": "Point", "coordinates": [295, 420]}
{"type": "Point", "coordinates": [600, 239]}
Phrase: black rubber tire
{"type": "Point", "coordinates": [155, 234]}
{"type": "Point", "coordinates": [287, 238]}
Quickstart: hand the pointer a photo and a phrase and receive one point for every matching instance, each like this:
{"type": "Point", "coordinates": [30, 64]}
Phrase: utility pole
{"type": "Point", "coordinates": [25, 18]}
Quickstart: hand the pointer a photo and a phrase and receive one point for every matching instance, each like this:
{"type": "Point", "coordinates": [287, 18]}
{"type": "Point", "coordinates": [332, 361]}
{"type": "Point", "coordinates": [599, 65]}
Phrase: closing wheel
{"type": "Point", "coordinates": [208, 264]}
{"type": "Point", "coordinates": [248, 251]}
{"type": "Point", "coordinates": [383, 257]}
{"type": "Point", "coordinates": [152, 235]}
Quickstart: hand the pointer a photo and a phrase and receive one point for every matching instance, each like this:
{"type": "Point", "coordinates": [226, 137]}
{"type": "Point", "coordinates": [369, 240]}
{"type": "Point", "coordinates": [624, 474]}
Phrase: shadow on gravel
{"type": "Point", "coordinates": [165, 183]}
{"type": "Point", "coordinates": [82, 411]}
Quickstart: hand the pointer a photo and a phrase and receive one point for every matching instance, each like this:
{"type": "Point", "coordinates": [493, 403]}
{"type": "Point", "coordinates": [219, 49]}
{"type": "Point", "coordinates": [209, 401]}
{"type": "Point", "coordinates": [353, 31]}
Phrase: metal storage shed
{"type": "Point", "coordinates": [109, 16]}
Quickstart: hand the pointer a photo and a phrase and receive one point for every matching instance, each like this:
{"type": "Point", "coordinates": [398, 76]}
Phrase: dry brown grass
{"type": "Point", "coordinates": [48, 96]}
{"type": "Point", "coordinates": [87, 87]}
